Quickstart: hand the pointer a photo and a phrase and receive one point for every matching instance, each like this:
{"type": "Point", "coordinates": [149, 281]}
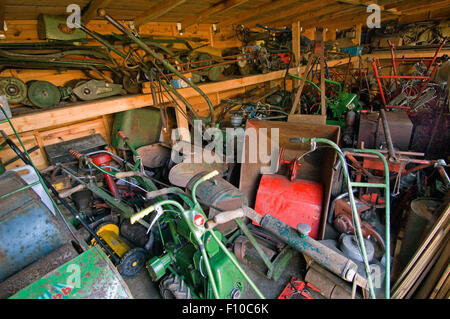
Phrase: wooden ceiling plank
{"type": "Point", "coordinates": [321, 9]}
{"type": "Point", "coordinates": [367, 3]}
{"type": "Point", "coordinates": [267, 7]}
{"type": "Point", "coordinates": [157, 11]}
{"type": "Point", "coordinates": [424, 7]}
{"type": "Point", "coordinates": [303, 8]}
{"type": "Point", "coordinates": [408, 5]}
{"type": "Point", "coordinates": [92, 8]}
{"type": "Point", "coordinates": [219, 7]}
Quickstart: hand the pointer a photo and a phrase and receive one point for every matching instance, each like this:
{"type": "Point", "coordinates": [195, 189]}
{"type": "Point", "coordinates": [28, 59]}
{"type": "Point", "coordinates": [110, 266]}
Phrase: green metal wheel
{"type": "Point", "coordinates": [43, 94]}
{"type": "Point", "coordinates": [14, 89]}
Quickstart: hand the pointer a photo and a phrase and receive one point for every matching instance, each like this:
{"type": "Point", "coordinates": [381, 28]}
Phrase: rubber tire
{"type": "Point", "coordinates": [172, 287]}
{"type": "Point", "coordinates": [125, 267]}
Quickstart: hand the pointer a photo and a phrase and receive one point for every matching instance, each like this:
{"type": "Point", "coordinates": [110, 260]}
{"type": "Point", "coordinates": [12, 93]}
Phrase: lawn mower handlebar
{"type": "Point", "coordinates": [227, 216]}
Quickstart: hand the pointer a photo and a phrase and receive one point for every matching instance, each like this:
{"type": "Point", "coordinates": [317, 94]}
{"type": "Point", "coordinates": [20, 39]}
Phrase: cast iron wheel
{"type": "Point", "coordinates": [172, 287]}
{"type": "Point", "coordinates": [132, 262]}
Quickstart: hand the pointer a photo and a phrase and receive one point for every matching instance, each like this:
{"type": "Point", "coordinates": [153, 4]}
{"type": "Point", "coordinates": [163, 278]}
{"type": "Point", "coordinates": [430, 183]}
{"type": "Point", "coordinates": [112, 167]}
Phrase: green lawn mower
{"type": "Point", "coordinates": [195, 262]}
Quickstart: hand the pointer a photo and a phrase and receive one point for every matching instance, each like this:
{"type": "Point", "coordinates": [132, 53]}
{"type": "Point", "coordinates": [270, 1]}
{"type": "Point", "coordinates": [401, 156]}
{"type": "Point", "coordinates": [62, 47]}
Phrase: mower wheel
{"type": "Point", "coordinates": [132, 262]}
{"type": "Point", "coordinates": [172, 287]}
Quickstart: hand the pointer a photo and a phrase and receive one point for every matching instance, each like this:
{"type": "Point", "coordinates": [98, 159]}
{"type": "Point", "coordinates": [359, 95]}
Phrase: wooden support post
{"type": "Point", "coordinates": [331, 34]}
{"type": "Point", "coordinates": [296, 33]}
{"type": "Point", "coordinates": [3, 26]}
{"type": "Point", "coordinates": [319, 39]}
{"type": "Point", "coordinates": [40, 143]}
{"type": "Point", "coordinates": [358, 32]}
{"type": "Point", "coordinates": [182, 123]}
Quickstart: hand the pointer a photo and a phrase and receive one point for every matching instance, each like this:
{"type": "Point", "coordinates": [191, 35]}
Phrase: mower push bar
{"type": "Point", "coordinates": [328, 258]}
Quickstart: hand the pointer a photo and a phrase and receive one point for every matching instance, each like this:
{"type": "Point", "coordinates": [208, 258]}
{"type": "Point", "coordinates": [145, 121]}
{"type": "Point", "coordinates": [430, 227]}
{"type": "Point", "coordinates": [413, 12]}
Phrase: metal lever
{"type": "Point", "coordinates": [159, 212]}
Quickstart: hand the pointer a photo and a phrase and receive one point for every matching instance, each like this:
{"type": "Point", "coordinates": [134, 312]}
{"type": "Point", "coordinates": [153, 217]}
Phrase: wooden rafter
{"type": "Point", "coordinates": [344, 20]}
{"type": "Point", "coordinates": [302, 13]}
{"type": "Point", "coordinates": [156, 11]}
{"type": "Point", "coordinates": [366, 3]}
{"type": "Point", "coordinates": [245, 16]}
{"type": "Point", "coordinates": [91, 11]}
{"type": "Point", "coordinates": [416, 7]}
{"type": "Point", "coordinates": [220, 7]}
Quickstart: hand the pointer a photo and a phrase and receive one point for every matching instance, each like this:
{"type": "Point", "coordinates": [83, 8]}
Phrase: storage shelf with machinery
{"type": "Point", "coordinates": [144, 118]}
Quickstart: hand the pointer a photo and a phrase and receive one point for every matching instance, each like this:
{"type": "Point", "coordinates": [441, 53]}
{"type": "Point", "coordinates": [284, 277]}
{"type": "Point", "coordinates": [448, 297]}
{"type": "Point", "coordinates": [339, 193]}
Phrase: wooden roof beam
{"type": "Point", "coordinates": [301, 15]}
{"type": "Point", "coordinates": [219, 7]}
{"type": "Point", "coordinates": [157, 11]}
{"type": "Point", "coordinates": [90, 12]}
{"type": "Point", "coordinates": [417, 7]}
{"type": "Point", "coordinates": [345, 20]}
{"type": "Point", "coordinates": [245, 16]}
{"type": "Point", "coordinates": [367, 3]}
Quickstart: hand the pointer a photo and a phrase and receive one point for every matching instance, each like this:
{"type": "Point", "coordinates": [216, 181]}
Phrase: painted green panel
{"type": "Point", "coordinates": [91, 275]}
{"type": "Point", "coordinates": [142, 127]}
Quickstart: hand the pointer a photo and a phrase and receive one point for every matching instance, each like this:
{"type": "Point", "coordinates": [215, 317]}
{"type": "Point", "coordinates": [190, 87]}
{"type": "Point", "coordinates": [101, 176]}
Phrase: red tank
{"type": "Point", "coordinates": [105, 159]}
{"type": "Point", "coordinates": [299, 201]}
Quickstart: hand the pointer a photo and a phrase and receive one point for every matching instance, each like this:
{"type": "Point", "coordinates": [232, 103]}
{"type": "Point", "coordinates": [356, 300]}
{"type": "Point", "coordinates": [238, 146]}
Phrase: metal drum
{"type": "Point", "coordinates": [28, 230]}
{"type": "Point", "coordinates": [219, 193]}
{"type": "Point", "coordinates": [294, 202]}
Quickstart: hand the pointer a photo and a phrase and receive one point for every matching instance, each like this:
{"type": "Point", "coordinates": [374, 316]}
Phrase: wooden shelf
{"type": "Point", "coordinates": [92, 109]}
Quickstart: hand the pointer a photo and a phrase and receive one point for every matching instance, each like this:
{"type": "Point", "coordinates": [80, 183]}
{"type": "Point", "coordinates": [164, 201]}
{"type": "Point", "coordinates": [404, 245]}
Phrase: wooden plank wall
{"type": "Point", "coordinates": [26, 31]}
{"type": "Point", "coordinates": [43, 135]}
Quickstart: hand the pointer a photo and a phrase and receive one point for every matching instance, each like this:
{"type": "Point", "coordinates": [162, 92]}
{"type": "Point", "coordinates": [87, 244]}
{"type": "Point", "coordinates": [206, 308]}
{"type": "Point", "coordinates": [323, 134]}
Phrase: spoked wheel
{"type": "Point", "coordinates": [172, 287]}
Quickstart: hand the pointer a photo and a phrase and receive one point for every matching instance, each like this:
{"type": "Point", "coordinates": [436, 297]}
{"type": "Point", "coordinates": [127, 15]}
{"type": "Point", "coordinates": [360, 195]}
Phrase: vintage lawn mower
{"type": "Point", "coordinates": [195, 262]}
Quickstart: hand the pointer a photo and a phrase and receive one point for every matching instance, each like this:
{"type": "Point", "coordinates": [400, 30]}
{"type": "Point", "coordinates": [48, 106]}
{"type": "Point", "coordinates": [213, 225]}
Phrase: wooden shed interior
{"type": "Point", "coordinates": [240, 54]}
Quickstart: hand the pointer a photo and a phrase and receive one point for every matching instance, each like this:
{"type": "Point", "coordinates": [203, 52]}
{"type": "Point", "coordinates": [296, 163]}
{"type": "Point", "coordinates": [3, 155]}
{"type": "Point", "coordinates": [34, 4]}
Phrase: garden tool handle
{"type": "Point", "coordinates": [225, 217]}
{"type": "Point", "coordinates": [134, 218]}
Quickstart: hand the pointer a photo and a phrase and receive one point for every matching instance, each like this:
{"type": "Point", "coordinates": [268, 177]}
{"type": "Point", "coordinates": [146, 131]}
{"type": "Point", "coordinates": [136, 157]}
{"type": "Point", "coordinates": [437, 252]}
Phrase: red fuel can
{"type": "Point", "coordinates": [299, 201]}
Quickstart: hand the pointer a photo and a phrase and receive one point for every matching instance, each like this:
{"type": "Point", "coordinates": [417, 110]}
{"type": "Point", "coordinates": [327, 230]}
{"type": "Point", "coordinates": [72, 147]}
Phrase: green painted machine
{"type": "Point", "coordinates": [90, 275]}
{"type": "Point", "coordinates": [340, 105]}
{"type": "Point", "coordinates": [42, 254]}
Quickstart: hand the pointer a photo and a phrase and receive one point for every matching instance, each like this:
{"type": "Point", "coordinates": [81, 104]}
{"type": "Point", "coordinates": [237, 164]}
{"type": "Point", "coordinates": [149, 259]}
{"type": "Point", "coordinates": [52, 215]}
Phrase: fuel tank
{"type": "Point", "coordinates": [294, 202]}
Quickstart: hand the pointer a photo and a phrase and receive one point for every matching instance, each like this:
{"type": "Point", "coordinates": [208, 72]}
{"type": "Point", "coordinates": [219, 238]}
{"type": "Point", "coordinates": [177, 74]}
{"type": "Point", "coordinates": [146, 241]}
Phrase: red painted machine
{"type": "Point", "coordinates": [291, 200]}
